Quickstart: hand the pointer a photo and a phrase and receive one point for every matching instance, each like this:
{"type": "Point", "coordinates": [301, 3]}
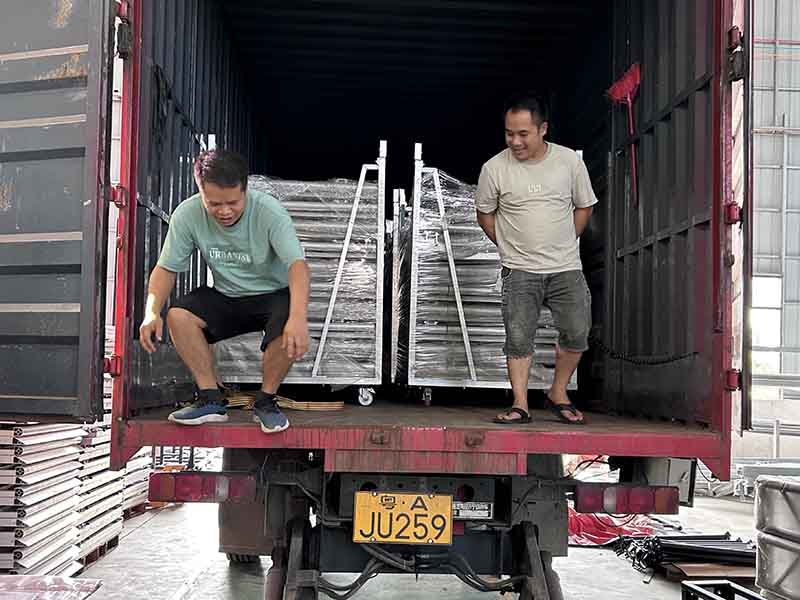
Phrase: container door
{"type": "Point", "coordinates": [744, 14]}
{"type": "Point", "coordinates": [55, 67]}
{"type": "Point", "coordinates": [672, 257]}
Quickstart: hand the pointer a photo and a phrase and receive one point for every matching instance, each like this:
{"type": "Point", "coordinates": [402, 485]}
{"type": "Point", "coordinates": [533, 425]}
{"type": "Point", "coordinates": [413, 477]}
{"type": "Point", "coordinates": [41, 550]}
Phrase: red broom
{"type": "Point", "coordinates": [622, 92]}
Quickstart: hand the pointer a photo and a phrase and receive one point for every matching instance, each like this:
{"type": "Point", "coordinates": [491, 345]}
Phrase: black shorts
{"type": "Point", "coordinates": [227, 317]}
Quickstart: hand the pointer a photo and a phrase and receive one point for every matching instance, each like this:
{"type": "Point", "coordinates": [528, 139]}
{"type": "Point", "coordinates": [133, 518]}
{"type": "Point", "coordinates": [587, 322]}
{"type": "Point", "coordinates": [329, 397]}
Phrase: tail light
{"type": "Point", "coordinates": [624, 499]}
{"type": "Point", "coordinates": [195, 486]}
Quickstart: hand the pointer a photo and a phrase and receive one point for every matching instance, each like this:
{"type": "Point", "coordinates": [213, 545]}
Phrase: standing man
{"type": "Point", "coordinates": [534, 200]}
{"type": "Point", "coordinates": [261, 283]}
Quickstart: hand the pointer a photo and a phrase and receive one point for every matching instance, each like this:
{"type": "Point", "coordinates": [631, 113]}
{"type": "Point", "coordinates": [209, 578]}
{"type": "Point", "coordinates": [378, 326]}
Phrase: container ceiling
{"type": "Point", "coordinates": [334, 76]}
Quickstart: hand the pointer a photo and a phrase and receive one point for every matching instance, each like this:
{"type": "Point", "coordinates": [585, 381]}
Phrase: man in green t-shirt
{"type": "Point", "coordinates": [261, 283]}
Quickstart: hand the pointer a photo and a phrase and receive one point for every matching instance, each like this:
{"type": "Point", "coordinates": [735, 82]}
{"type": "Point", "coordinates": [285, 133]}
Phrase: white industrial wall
{"type": "Point", "coordinates": [776, 288]}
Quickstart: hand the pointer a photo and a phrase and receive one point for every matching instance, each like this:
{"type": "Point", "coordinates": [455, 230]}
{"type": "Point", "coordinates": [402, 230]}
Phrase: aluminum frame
{"type": "Point", "coordinates": [328, 325]}
{"type": "Point", "coordinates": [473, 382]}
{"type": "Point", "coordinates": [380, 167]}
{"type": "Point", "coordinates": [399, 214]}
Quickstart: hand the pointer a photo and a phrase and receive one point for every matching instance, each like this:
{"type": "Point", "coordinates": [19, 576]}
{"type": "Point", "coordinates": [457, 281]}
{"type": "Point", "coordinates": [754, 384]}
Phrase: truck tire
{"type": "Point", "coordinates": [243, 559]}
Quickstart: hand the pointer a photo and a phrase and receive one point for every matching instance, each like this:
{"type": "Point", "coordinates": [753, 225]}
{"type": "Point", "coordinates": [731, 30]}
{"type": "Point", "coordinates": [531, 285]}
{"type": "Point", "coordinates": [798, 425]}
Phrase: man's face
{"type": "Point", "coordinates": [225, 204]}
{"type": "Point", "coordinates": [523, 136]}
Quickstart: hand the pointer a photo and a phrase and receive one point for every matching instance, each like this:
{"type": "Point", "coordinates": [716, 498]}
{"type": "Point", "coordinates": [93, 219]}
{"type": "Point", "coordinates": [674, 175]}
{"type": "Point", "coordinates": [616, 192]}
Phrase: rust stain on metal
{"type": "Point", "coordinates": [6, 195]}
{"type": "Point", "coordinates": [71, 68]}
{"type": "Point", "coordinates": [63, 11]}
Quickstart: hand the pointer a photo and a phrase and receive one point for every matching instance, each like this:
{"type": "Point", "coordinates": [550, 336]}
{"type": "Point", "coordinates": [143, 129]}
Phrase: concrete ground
{"type": "Point", "coordinates": [171, 554]}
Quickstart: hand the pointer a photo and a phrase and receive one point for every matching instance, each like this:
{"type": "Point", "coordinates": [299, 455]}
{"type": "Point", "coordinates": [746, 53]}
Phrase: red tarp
{"type": "Point", "coordinates": [601, 530]}
{"type": "Point", "coordinates": [25, 587]}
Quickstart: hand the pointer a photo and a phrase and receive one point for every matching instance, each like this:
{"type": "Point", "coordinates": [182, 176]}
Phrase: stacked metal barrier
{"type": "Point", "coordinates": [137, 479]}
{"type": "Point", "coordinates": [341, 226]}
{"type": "Point", "coordinates": [100, 499]}
{"type": "Point", "coordinates": [447, 323]}
{"type": "Point", "coordinates": [39, 489]}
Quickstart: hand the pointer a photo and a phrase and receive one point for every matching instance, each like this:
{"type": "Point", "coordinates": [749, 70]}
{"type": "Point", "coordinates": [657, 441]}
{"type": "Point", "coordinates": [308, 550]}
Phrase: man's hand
{"type": "Point", "coordinates": [295, 337]}
{"type": "Point", "coordinates": [152, 325]}
{"type": "Point", "coordinates": [487, 222]}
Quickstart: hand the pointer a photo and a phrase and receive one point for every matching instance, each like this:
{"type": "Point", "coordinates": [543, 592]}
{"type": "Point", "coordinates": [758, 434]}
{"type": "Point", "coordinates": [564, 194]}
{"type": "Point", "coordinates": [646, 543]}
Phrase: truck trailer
{"type": "Point", "coordinates": [304, 90]}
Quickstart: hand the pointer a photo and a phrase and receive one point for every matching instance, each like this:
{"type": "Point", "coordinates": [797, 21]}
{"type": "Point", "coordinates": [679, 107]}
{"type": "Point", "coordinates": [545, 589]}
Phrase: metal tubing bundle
{"type": "Point", "coordinates": [447, 300]}
{"type": "Point", "coordinates": [341, 226]}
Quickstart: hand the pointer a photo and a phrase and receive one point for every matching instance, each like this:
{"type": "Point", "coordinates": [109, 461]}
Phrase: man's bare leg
{"type": "Point", "coordinates": [275, 365]}
{"type": "Point", "coordinates": [566, 363]}
{"type": "Point", "coordinates": [518, 373]}
{"type": "Point", "coordinates": [186, 331]}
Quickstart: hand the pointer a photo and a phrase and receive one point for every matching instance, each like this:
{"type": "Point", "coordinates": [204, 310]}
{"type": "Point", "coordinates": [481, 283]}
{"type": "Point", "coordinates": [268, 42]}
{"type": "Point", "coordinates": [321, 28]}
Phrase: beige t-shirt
{"type": "Point", "coordinates": [534, 203]}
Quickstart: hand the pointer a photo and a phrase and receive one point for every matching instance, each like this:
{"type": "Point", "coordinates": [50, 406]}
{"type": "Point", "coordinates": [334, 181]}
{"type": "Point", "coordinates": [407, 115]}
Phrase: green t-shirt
{"type": "Point", "coordinates": [246, 259]}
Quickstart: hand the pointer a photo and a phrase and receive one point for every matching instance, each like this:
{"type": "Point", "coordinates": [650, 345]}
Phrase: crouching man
{"type": "Point", "coordinates": [261, 283]}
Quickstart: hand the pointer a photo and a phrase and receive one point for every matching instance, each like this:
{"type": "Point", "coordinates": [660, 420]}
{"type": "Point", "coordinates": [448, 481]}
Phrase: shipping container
{"type": "Point", "coordinates": [305, 90]}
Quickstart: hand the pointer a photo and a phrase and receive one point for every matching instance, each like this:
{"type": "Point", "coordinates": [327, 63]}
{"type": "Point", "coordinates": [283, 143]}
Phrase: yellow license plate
{"type": "Point", "coordinates": [392, 518]}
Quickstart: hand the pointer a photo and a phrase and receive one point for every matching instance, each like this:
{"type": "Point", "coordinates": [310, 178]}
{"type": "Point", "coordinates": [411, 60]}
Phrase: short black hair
{"type": "Point", "coordinates": [221, 167]}
{"type": "Point", "coordinates": [533, 102]}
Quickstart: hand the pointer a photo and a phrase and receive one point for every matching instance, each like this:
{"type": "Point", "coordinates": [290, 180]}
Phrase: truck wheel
{"type": "Point", "coordinates": [243, 559]}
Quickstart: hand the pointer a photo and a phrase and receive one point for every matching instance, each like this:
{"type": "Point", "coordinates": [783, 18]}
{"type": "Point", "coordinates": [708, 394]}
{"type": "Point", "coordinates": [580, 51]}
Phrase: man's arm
{"type": "Point", "coordinates": [295, 332]}
{"type": "Point", "coordinates": [581, 217]}
{"type": "Point", "coordinates": [158, 290]}
{"type": "Point", "coordinates": [487, 222]}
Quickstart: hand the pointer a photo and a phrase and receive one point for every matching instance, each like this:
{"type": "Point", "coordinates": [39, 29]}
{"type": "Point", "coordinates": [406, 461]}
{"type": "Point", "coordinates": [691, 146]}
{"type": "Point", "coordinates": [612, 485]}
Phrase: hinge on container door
{"type": "Point", "coordinates": [119, 196]}
{"type": "Point", "coordinates": [124, 31]}
{"type": "Point", "coordinates": [112, 365]}
{"type": "Point", "coordinates": [733, 380]}
{"type": "Point", "coordinates": [736, 56]}
{"type": "Point", "coordinates": [733, 213]}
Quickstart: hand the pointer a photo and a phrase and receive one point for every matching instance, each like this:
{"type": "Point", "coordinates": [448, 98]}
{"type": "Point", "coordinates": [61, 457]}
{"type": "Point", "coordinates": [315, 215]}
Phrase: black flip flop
{"type": "Point", "coordinates": [523, 417]}
{"type": "Point", "coordinates": [557, 410]}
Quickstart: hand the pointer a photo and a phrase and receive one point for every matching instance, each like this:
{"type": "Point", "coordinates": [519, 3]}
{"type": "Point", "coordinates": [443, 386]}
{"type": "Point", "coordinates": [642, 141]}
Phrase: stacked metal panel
{"type": "Point", "coordinates": [341, 226]}
{"type": "Point", "coordinates": [100, 500]}
{"type": "Point", "coordinates": [137, 478]}
{"type": "Point", "coordinates": [778, 525]}
{"type": "Point", "coordinates": [448, 324]}
{"type": "Point", "coordinates": [39, 485]}
{"type": "Point", "coordinates": [108, 382]}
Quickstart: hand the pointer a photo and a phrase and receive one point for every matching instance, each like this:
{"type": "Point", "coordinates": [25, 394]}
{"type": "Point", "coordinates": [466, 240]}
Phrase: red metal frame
{"type": "Point", "coordinates": [723, 338]}
{"type": "Point", "coordinates": [436, 449]}
{"type": "Point", "coordinates": [126, 232]}
{"type": "Point", "coordinates": [422, 449]}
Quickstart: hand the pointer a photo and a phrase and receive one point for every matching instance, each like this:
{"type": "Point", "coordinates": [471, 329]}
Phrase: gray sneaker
{"type": "Point", "coordinates": [267, 414]}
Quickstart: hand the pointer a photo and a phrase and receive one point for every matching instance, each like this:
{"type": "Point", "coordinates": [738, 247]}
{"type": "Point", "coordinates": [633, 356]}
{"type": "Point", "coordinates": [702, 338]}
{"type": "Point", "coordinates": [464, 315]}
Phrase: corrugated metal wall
{"type": "Point", "coordinates": [193, 95]}
{"type": "Point", "coordinates": [192, 89]}
{"type": "Point", "coordinates": [660, 252]}
{"type": "Point", "coordinates": [776, 157]}
{"type": "Point", "coordinates": [53, 92]}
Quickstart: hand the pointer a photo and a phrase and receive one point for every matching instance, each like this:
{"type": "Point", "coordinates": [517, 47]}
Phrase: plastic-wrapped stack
{"type": "Point", "coordinates": [100, 500]}
{"type": "Point", "coordinates": [440, 343]}
{"type": "Point", "coordinates": [778, 545]}
{"type": "Point", "coordinates": [137, 478]}
{"type": "Point", "coordinates": [39, 485]}
{"type": "Point", "coordinates": [344, 245]}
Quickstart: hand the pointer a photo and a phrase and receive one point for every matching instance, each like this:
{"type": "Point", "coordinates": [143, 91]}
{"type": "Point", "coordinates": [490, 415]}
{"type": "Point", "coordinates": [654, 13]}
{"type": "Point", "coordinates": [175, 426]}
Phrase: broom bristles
{"type": "Point", "coordinates": [627, 85]}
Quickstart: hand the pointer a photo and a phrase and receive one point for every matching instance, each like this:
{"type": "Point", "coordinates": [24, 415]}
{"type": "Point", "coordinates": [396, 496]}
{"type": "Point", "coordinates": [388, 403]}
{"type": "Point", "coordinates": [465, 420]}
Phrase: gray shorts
{"type": "Point", "coordinates": [565, 294]}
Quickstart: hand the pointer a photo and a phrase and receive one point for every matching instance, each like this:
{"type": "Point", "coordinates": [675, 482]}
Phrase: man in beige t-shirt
{"type": "Point", "coordinates": [534, 200]}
